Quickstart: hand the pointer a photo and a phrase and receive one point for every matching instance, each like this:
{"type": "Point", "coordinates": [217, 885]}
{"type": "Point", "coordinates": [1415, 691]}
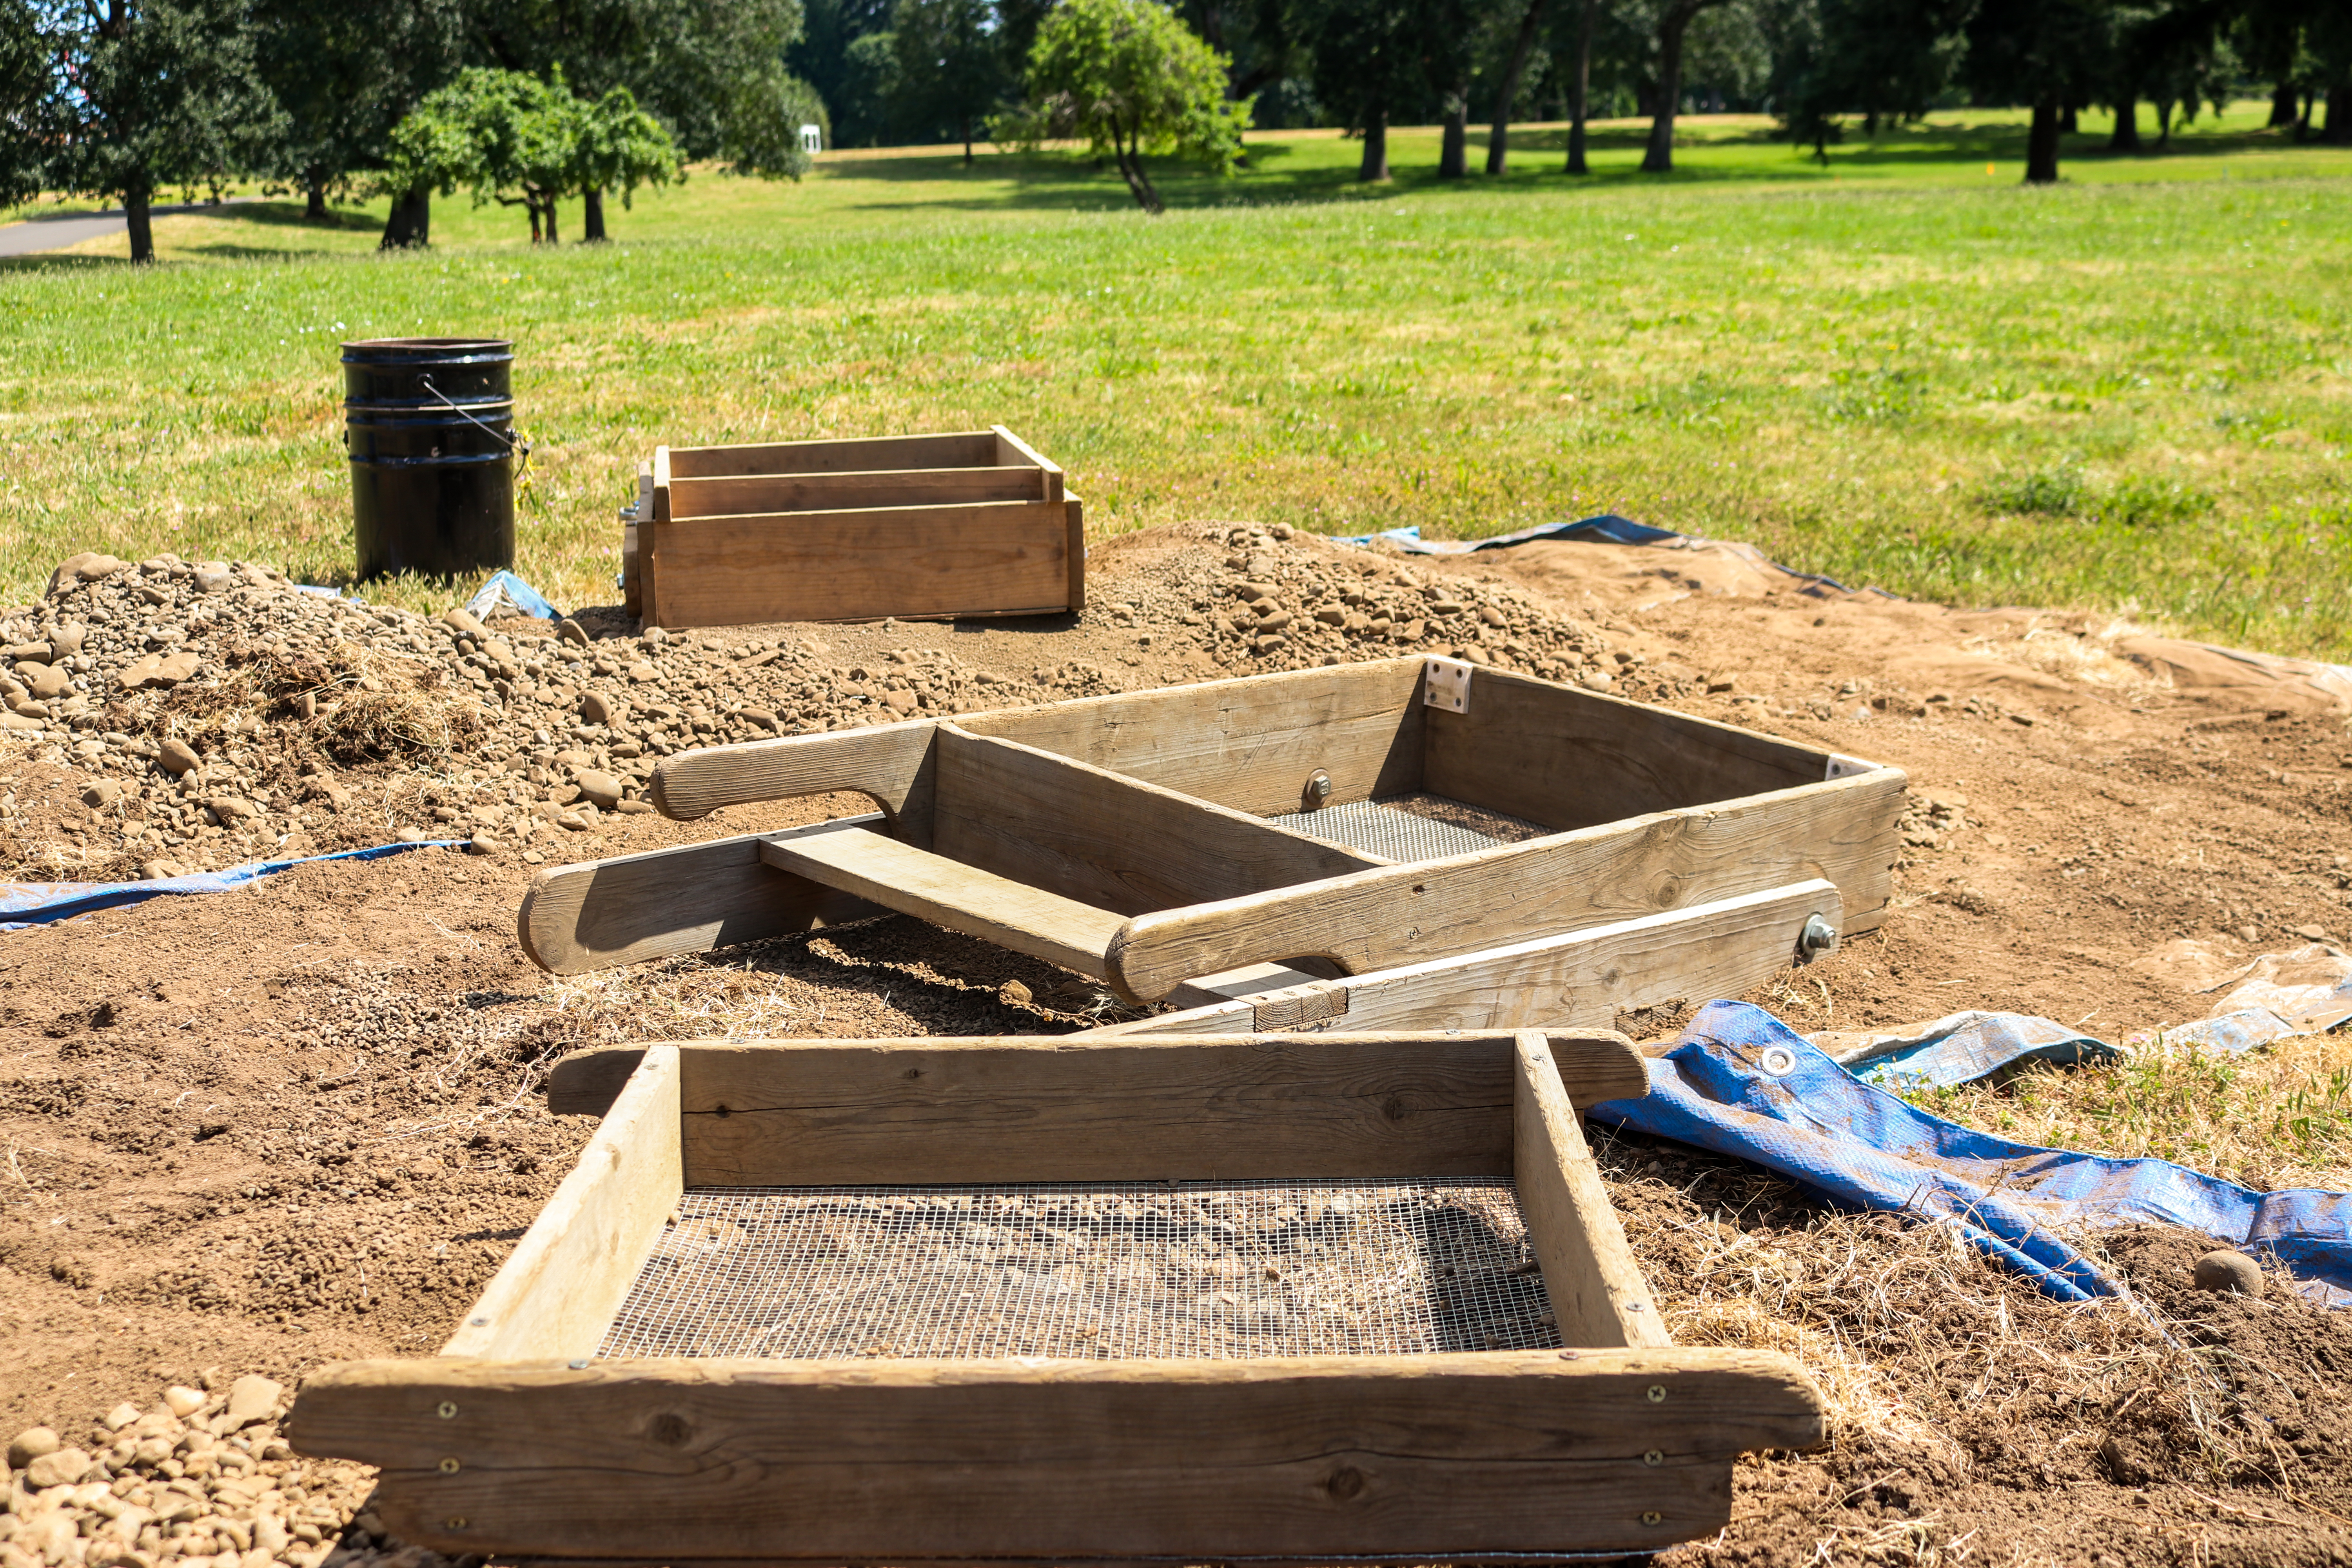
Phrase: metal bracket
{"type": "Point", "coordinates": [1846, 767]}
{"type": "Point", "coordinates": [1445, 683]}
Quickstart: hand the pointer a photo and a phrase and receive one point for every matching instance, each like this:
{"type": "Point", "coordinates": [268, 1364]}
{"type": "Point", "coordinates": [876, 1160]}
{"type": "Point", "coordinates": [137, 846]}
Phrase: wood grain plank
{"type": "Point", "coordinates": [1075, 545]}
{"type": "Point", "coordinates": [744, 495]}
{"type": "Point", "coordinates": [1725, 947]}
{"type": "Point", "coordinates": [1248, 743]}
{"type": "Point", "coordinates": [976, 558]}
{"type": "Point", "coordinates": [947, 449]}
{"type": "Point", "coordinates": [568, 1276]}
{"type": "Point", "coordinates": [948, 893]}
{"type": "Point", "coordinates": [1105, 839]}
{"type": "Point", "coordinates": [890, 763]}
{"type": "Point", "coordinates": [648, 541]}
{"type": "Point", "coordinates": [1439, 1457]}
{"type": "Point", "coordinates": [1304, 1107]}
{"type": "Point", "coordinates": [1596, 1289]}
{"type": "Point", "coordinates": [1012, 452]}
{"type": "Point", "coordinates": [1842, 831]}
{"type": "Point", "coordinates": [603, 913]}
{"type": "Point", "coordinates": [1570, 758]}
{"type": "Point", "coordinates": [586, 1083]}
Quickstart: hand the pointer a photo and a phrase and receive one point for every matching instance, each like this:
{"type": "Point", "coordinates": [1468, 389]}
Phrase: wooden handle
{"type": "Point", "coordinates": [891, 763]}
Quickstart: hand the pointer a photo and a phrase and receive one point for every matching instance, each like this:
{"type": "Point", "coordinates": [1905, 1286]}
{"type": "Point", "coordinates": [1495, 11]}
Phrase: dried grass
{"type": "Point", "coordinates": [2080, 650]}
{"type": "Point", "coordinates": [2278, 1117]}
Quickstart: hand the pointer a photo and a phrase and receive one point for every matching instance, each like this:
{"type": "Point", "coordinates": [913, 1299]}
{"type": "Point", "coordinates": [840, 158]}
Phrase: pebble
{"type": "Point", "coordinates": [101, 795]}
{"type": "Point", "coordinates": [596, 707]}
{"type": "Point", "coordinates": [251, 1398]}
{"type": "Point", "coordinates": [602, 789]}
{"type": "Point", "coordinates": [177, 757]}
{"type": "Point", "coordinates": [2229, 1272]}
{"type": "Point", "coordinates": [183, 1400]}
{"type": "Point", "coordinates": [31, 1445]}
{"type": "Point", "coordinates": [62, 1468]}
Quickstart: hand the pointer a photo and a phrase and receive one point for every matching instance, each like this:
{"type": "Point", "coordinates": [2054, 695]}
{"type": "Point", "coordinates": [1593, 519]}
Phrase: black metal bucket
{"type": "Point", "coordinates": [429, 424]}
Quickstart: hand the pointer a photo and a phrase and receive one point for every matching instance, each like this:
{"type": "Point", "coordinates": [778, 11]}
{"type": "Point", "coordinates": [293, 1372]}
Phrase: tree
{"type": "Point", "coordinates": [142, 94]}
{"type": "Point", "coordinates": [1506, 91]}
{"type": "Point", "coordinates": [2046, 53]}
{"type": "Point", "coordinates": [1133, 80]}
{"type": "Point", "coordinates": [952, 73]}
{"type": "Point", "coordinates": [1580, 85]}
{"type": "Point", "coordinates": [24, 104]}
{"type": "Point", "coordinates": [520, 141]}
{"type": "Point", "coordinates": [345, 74]}
{"type": "Point", "coordinates": [1674, 19]}
{"type": "Point", "coordinates": [617, 146]}
{"type": "Point", "coordinates": [824, 56]}
{"type": "Point", "coordinates": [1884, 60]}
{"type": "Point", "coordinates": [1367, 58]}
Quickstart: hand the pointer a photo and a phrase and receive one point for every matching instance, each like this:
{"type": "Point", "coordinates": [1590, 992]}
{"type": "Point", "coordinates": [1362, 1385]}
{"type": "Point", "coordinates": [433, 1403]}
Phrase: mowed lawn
{"type": "Point", "coordinates": [2132, 391]}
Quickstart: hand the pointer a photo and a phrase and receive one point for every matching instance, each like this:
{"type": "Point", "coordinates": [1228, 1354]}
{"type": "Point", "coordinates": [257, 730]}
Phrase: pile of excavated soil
{"type": "Point", "coordinates": [251, 1132]}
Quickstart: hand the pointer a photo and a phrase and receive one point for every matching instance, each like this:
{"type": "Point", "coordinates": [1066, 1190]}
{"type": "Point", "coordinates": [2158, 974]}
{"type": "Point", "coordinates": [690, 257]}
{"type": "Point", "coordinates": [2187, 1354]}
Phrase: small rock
{"type": "Point", "coordinates": [61, 1468]}
{"type": "Point", "coordinates": [2229, 1272]}
{"type": "Point", "coordinates": [635, 807]}
{"type": "Point", "coordinates": [485, 844]}
{"type": "Point", "coordinates": [1013, 993]}
{"type": "Point", "coordinates": [571, 631]}
{"type": "Point", "coordinates": [89, 566]}
{"type": "Point", "coordinates": [101, 795]}
{"type": "Point", "coordinates": [1594, 680]}
{"type": "Point", "coordinates": [156, 671]}
{"type": "Point", "coordinates": [121, 1415]}
{"type": "Point", "coordinates": [644, 674]}
{"type": "Point", "coordinates": [161, 870]}
{"type": "Point", "coordinates": [764, 720]}
{"type": "Point", "coordinates": [2311, 933]}
{"type": "Point", "coordinates": [457, 620]}
{"type": "Point", "coordinates": [183, 1400]}
{"type": "Point", "coordinates": [601, 788]}
{"type": "Point", "coordinates": [250, 1399]}
{"type": "Point", "coordinates": [1723, 683]}
{"type": "Point", "coordinates": [47, 681]}
{"type": "Point", "coordinates": [2123, 1461]}
{"type": "Point", "coordinates": [66, 640]}
{"type": "Point", "coordinates": [596, 707]}
{"type": "Point", "coordinates": [176, 757]}
{"type": "Point", "coordinates": [31, 1443]}
{"type": "Point", "coordinates": [899, 701]}
{"type": "Point", "coordinates": [416, 835]}
{"type": "Point", "coordinates": [655, 636]}
{"type": "Point", "coordinates": [232, 809]}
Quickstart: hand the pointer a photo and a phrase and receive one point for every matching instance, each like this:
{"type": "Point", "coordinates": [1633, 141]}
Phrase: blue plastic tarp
{"type": "Point", "coordinates": [23, 904]}
{"type": "Point", "coordinates": [506, 588]}
{"type": "Point", "coordinates": [1741, 1083]}
{"type": "Point", "coordinates": [1962, 1048]}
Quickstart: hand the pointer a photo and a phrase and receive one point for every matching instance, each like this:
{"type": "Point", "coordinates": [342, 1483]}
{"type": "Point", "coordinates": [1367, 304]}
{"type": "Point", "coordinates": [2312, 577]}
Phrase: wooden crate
{"type": "Point", "coordinates": [1594, 1434]}
{"type": "Point", "coordinates": [1161, 841]}
{"type": "Point", "coordinates": [974, 522]}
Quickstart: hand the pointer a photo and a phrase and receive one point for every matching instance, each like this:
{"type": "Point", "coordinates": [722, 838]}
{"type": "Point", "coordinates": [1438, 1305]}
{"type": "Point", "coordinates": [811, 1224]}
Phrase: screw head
{"type": "Point", "coordinates": [1653, 1458]}
{"type": "Point", "coordinates": [580, 1365]}
{"type": "Point", "coordinates": [447, 1412]}
{"type": "Point", "coordinates": [454, 1522]}
{"type": "Point", "coordinates": [1651, 1516]}
{"type": "Point", "coordinates": [478, 1322]}
{"type": "Point", "coordinates": [1657, 1394]}
{"type": "Point", "coordinates": [450, 1466]}
{"type": "Point", "coordinates": [1319, 788]}
{"type": "Point", "coordinates": [1819, 936]}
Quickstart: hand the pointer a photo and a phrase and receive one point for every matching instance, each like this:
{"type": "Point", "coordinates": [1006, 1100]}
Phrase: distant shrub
{"type": "Point", "coordinates": [2138, 502]}
{"type": "Point", "coordinates": [2053, 492]}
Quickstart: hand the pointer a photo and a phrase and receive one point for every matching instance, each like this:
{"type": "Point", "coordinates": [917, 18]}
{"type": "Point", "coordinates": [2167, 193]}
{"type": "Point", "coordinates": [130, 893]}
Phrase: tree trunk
{"type": "Point", "coordinates": [2338, 129]}
{"type": "Point", "coordinates": [592, 218]}
{"type": "Point", "coordinates": [550, 222]}
{"type": "Point", "coordinates": [1659, 159]}
{"type": "Point", "coordinates": [1454, 149]}
{"type": "Point", "coordinates": [1498, 140]}
{"type": "Point", "coordinates": [2042, 142]}
{"type": "Point", "coordinates": [967, 142]}
{"type": "Point", "coordinates": [314, 207]}
{"type": "Point", "coordinates": [1129, 151]}
{"type": "Point", "coordinates": [411, 223]}
{"type": "Point", "coordinates": [135, 217]}
{"type": "Point", "coordinates": [2127, 136]}
{"type": "Point", "coordinates": [2068, 122]}
{"type": "Point", "coordinates": [1580, 92]}
{"type": "Point", "coordinates": [1375, 166]}
{"type": "Point", "coordinates": [2283, 104]}
{"type": "Point", "coordinates": [2310, 106]}
{"type": "Point", "coordinates": [2163, 123]}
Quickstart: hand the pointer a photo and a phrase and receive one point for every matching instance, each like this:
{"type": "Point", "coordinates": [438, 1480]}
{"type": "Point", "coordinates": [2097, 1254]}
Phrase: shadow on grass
{"type": "Point", "coordinates": [1284, 172]}
{"type": "Point", "coordinates": [287, 217]}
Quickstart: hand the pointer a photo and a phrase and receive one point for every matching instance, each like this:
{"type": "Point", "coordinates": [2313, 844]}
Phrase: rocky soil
{"type": "Point", "coordinates": [227, 714]}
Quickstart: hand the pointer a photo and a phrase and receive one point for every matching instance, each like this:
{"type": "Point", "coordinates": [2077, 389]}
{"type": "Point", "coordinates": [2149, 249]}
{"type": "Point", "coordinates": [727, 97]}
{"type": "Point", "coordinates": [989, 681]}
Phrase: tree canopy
{"type": "Point", "coordinates": [1132, 80]}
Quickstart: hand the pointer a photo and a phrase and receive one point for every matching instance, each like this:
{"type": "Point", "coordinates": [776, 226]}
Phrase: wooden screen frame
{"type": "Point", "coordinates": [516, 1441]}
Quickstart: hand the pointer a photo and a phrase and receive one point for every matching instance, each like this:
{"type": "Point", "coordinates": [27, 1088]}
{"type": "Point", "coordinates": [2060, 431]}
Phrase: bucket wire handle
{"type": "Point", "coordinates": [520, 440]}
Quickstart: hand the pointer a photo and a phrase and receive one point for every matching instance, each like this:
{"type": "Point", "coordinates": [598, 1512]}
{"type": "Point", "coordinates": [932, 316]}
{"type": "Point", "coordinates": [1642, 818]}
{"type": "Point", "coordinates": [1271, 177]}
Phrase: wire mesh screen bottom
{"type": "Point", "coordinates": [1411, 827]}
{"type": "Point", "coordinates": [1210, 1272]}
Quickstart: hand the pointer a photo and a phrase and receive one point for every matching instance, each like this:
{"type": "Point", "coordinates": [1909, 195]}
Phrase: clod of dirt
{"type": "Point", "coordinates": [2231, 1273]}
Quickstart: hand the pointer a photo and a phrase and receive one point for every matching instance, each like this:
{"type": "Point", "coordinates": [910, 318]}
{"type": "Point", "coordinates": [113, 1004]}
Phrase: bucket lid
{"type": "Point", "coordinates": [426, 351]}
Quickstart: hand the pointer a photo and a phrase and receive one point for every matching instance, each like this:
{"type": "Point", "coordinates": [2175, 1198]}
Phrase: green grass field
{"type": "Point", "coordinates": [2128, 392]}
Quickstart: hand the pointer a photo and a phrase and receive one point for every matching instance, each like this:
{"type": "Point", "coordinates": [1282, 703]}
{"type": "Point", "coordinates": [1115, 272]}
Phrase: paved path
{"type": "Point", "coordinates": [59, 230]}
